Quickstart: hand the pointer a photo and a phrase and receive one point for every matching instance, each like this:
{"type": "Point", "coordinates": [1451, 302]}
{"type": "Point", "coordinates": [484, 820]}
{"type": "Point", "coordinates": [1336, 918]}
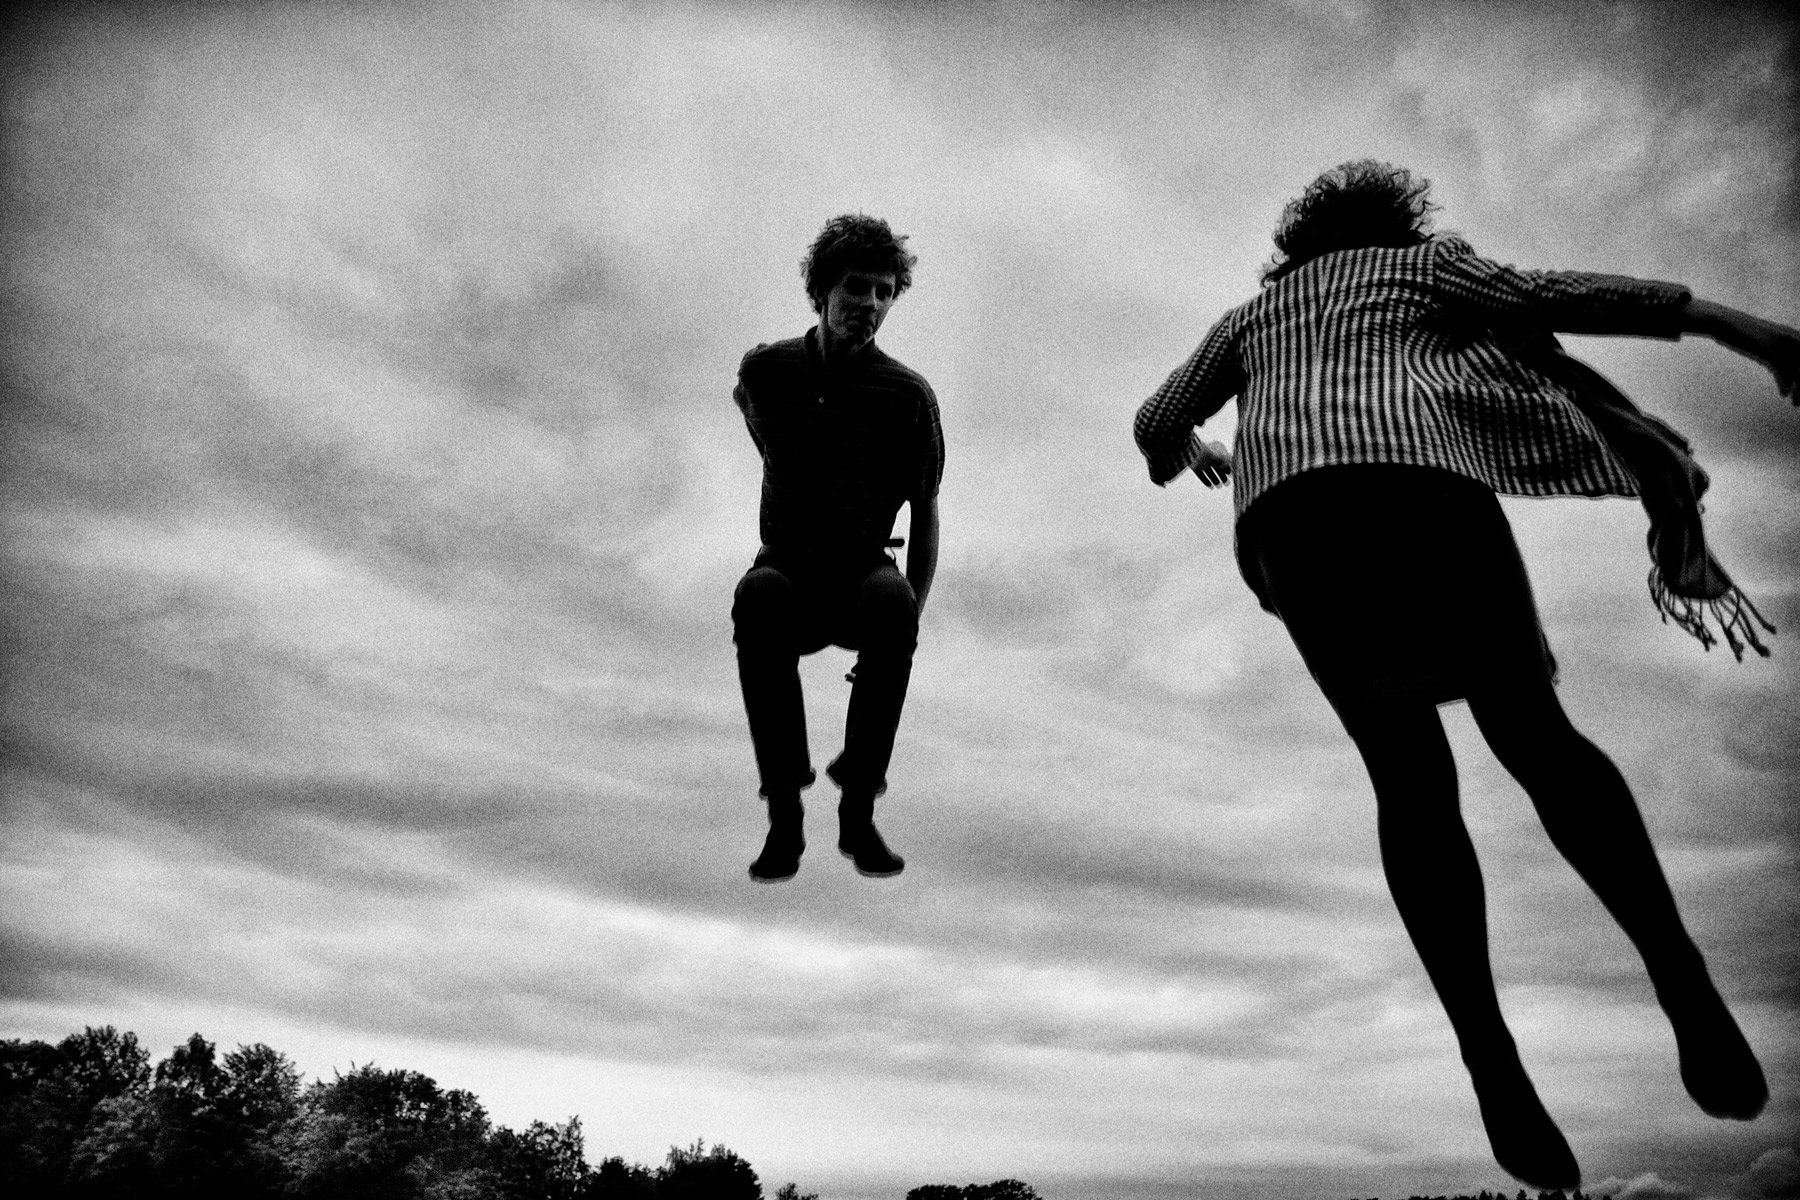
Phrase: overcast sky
{"type": "Point", "coordinates": [373, 499]}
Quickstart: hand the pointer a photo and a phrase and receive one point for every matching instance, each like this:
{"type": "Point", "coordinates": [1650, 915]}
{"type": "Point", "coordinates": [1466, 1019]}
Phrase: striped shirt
{"type": "Point", "coordinates": [1384, 355]}
{"type": "Point", "coordinates": [843, 447]}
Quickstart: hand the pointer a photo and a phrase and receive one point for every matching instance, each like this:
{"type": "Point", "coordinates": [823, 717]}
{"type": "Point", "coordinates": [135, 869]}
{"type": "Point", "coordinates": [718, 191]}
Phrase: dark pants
{"type": "Point", "coordinates": [786, 607]}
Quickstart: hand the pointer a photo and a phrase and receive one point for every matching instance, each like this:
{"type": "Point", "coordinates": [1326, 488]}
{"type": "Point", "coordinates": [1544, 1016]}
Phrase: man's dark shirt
{"type": "Point", "coordinates": [842, 447]}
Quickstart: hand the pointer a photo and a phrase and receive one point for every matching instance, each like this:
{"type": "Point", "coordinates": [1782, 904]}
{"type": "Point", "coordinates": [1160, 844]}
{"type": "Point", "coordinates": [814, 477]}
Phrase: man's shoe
{"type": "Point", "coordinates": [859, 841]}
{"type": "Point", "coordinates": [780, 857]}
{"type": "Point", "coordinates": [865, 848]}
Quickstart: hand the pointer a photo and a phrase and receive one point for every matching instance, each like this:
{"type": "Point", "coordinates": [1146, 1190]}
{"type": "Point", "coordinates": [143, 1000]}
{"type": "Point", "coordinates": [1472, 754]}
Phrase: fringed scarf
{"type": "Point", "coordinates": [1687, 584]}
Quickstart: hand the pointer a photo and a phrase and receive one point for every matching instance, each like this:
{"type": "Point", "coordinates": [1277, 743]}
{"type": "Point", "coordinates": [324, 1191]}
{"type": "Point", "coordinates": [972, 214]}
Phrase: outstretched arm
{"type": "Point", "coordinates": [922, 547]}
{"type": "Point", "coordinates": [1775, 346]}
{"type": "Point", "coordinates": [1580, 302]}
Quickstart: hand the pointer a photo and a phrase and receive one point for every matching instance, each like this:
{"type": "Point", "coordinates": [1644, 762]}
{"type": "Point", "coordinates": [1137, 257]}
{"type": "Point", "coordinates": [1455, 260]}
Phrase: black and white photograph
{"type": "Point", "coordinates": [829, 600]}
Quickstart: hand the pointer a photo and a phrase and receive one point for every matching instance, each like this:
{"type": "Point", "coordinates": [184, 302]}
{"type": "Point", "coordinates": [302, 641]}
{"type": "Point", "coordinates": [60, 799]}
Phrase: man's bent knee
{"type": "Point", "coordinates": [763, 604]}
{"type": "Point", "coordinates": [888, 608]}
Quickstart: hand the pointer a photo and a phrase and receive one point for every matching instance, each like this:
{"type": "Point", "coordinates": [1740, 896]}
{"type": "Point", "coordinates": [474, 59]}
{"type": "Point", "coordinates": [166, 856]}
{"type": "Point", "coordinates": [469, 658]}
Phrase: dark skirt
{"type": "Point", "coordinates": [1395, 581]}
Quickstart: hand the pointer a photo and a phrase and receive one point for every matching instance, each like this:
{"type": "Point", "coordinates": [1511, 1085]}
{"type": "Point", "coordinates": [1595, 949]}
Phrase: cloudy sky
{"type": "Point", "coordinates": [373, 497]}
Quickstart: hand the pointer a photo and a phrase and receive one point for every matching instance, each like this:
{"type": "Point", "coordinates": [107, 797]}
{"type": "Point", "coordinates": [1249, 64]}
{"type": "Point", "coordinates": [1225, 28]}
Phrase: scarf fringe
{"type": "Point", "coordinates": [1736, 617]}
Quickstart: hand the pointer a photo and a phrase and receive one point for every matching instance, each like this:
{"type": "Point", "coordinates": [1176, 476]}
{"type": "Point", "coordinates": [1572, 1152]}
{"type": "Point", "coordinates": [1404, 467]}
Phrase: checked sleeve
{"type": "Point", "coordinates": [1196, 390]}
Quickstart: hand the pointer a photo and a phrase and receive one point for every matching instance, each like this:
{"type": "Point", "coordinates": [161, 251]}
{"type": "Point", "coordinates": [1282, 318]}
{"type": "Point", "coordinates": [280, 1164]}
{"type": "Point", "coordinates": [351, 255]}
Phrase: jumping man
{"type": "Point", "coordinates": [847, 435]}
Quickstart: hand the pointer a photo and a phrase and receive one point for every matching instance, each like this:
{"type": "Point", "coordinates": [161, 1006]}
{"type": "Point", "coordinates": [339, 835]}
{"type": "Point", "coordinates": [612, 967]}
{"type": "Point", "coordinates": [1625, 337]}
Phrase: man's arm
{"type": "Point", "coordinates": [741, 394]}
{"type": "Point", "coordinates": [922, 547]}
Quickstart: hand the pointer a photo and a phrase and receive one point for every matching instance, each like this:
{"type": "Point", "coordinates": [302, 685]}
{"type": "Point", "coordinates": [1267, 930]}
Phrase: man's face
{"type": "Point", "coordinates": [855, 307]}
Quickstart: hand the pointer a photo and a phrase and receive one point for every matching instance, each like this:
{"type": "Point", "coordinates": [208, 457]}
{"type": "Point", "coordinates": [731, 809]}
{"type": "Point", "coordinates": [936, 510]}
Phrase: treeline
{"type": "Point", "coordinates": [90, 1118]}
{"type": "Point", "coordinates": [1559, 1194]}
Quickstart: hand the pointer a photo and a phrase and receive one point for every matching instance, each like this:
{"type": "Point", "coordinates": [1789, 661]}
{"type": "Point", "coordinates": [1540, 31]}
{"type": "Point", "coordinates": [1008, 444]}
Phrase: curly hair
{"type": "Point", "coordinates": [854, 240]}
{"type": "Point", "coordinates": [1355, 204]}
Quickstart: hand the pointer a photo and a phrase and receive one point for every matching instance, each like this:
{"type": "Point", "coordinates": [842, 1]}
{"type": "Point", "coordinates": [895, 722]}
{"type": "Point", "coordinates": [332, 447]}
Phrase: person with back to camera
{"type": "Point", "coordinates": [1389, 383]}
{"type": "Point", "coordinates": [847, 435]}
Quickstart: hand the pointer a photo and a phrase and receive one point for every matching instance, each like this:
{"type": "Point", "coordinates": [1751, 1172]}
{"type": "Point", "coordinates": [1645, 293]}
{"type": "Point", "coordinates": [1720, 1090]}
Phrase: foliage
{"type": "Point", "coordinates": [1559, 1194]}
{"type": "Point", "coordinates": [1000, 1189]}
{"type": "Point", "coordinates": [546, 1162]}
{"type": "Point", "coordinates": [615, 1179]}
{"type": "Point", "coordinates": [697, 1173]}
{"type": "Point", "coordinates": [49, 1096]}
{"type": "Point", "coordinates": [89, 1119]}
{"type": "Point", "coordinates": [200, 1125]}
{"type": "Point", "coordinates": [384, 1135]}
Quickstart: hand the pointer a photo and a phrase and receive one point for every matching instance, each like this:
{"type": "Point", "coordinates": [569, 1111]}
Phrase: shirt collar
{"type": "Point", "coordinates": [815, 355]}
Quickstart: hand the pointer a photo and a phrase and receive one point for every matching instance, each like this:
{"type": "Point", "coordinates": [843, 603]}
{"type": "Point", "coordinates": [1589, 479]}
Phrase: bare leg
{"type": "Point", "coordinates": [1436, 884]}
{"type": "Point", "coordinates": [1591, 818]}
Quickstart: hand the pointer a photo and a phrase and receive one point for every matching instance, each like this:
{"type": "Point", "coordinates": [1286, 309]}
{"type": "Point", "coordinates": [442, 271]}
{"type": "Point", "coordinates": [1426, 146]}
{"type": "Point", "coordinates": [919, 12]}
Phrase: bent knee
{"type": "Point", "coordinates": [888, 594]}
{"type": "Point", "coordinates": [887, 608]}
{"type": "Point", "coordinates": [764, 600]}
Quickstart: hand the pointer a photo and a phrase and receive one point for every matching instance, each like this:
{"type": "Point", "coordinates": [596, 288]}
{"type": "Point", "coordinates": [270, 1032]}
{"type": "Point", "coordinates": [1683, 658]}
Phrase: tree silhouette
{"type": "Point", "coordinates": [384, 1135]}
{"type": "Point", "coordinates": [201, 1126]}
{"type": "Point", "coordinates": [696, 1173]}
{"type": "Point", "coordinates": [546, 1162]}
{"type": "Point", "coordinates": [615, 1179]}
{"type": "Point", "coordinates": [1000, 1189]}
{"type": "Point", "coordinates": [89, 1119]}
{"type": "Point", "coordinates": [48, 1098]}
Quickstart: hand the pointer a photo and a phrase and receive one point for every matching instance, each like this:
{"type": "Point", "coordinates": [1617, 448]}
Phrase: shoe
{"type": "Point", "coordinates": [860, 842]}
{"type": "Point", "coordinates": [1525, 1141]}
{"type": "Point", "coordinates": [865, 848]}
{"type": "Point", "coordinates": [780, 857]}
{"type": "Point", "coordinates": [1718, 1068]}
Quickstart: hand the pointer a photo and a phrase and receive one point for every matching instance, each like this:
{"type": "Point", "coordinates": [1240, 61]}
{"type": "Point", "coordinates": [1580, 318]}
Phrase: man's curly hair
{"type": "Point", "coordinates": [854, 240]}
{"type": "Point", "coordinates": [1355, 204]}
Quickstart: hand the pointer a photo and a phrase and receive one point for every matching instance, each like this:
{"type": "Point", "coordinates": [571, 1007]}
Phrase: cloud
{"type": "Point", "coordinates": [341, 917]}
{"type": "Point", "coordinates": [1775, 1174]}
{"type": "Point", "coordinates": [1647, 1186]}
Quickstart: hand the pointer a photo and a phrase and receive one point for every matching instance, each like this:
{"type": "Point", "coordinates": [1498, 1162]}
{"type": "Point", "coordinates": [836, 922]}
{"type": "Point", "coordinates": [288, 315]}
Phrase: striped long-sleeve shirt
{"type": "Point", "coordinates": [1384, 355]}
